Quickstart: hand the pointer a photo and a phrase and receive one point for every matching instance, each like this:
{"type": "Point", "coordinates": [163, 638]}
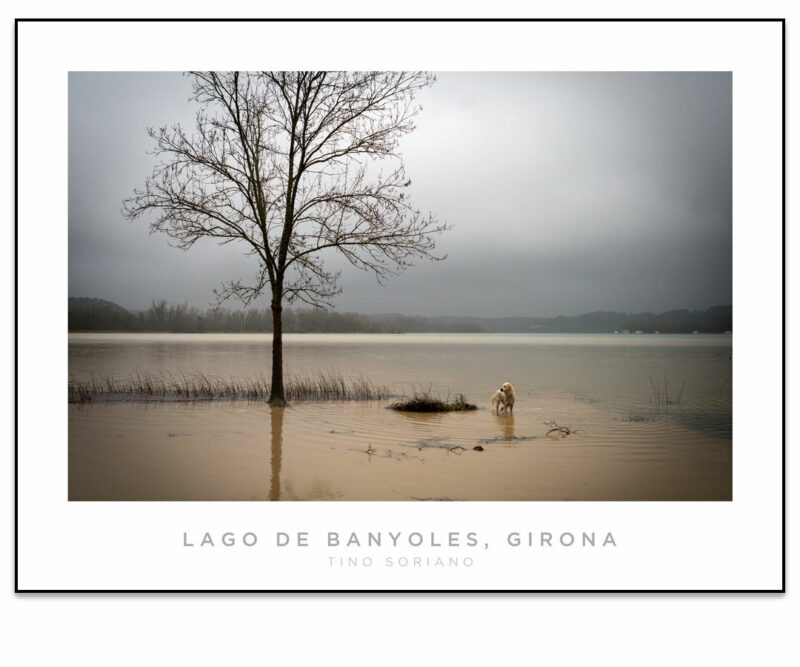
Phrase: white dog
{"type": "Point", "coordinates": [504, 398]}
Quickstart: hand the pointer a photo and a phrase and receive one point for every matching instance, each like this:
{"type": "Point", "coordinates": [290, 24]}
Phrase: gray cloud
{"type": "Point", "coordinates": [568, 192]}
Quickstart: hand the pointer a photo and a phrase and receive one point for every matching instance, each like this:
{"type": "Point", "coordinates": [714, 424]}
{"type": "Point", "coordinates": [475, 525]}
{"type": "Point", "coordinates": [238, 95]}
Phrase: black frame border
{"type": "Point", "coordinates": [17, 21]}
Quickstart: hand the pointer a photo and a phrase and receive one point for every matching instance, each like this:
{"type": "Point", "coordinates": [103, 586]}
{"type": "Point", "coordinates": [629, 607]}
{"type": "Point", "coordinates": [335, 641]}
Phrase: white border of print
{"type": "Point", "coordinates": [660, 546]}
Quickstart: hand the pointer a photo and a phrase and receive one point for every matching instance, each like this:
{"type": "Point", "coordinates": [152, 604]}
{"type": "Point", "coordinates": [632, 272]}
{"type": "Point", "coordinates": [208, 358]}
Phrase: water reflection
{"type": "Point", "coordinates": [224, 451]}
{"type": "Point", "coordinates": [276, 428]}
{"type": "Point", "coordinates": [505, 423]}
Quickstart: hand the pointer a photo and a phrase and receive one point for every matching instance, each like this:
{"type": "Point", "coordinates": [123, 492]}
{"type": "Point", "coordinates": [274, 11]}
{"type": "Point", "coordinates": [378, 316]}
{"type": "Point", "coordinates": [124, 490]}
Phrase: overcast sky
{"type": "Point", "coordinates": [567, 192]}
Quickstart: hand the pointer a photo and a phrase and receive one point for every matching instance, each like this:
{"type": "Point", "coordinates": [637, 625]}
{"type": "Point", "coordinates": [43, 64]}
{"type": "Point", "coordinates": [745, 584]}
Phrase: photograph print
{"type": "Point", "coordinates": [400, 286]}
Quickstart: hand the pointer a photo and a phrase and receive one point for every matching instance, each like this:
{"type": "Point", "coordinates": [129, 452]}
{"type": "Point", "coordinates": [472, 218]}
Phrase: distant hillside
{"type": "Point", "coordinates": [713, 320]}
{"type": "Point", "coordinates": [86, 314]}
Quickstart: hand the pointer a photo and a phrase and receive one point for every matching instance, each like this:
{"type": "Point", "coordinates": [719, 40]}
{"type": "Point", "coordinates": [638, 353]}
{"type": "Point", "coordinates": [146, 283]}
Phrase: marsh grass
{"type": "Point", "coordinates": [425, 401]}
{"type": "Point", "coordinates": [659, 394]}
{"type": "Point", "coordinates": [322, 386]}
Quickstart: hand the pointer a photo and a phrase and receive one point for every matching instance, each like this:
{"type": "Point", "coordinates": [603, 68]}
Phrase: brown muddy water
{"type": "Point", "coordinates": [626, 442]}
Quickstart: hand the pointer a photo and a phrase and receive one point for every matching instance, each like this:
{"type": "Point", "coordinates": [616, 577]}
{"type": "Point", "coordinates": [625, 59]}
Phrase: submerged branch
{"type": "Point", "coordinates": [557, 431]}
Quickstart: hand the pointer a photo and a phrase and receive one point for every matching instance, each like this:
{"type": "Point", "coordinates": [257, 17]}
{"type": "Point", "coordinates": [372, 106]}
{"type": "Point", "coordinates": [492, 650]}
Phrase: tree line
{"type": "Point", "coordinates": [88, 314]}
{"type": "Point", "coordinates": [99, 315]}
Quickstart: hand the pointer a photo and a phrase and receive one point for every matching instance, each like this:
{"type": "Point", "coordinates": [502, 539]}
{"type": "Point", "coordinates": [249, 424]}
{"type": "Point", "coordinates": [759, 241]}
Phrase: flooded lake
{"type": "Point", "coordinates": [650, 419]}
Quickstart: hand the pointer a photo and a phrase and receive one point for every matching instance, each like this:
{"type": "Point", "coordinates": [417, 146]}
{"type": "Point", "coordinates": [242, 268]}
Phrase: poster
{"type": "Point", "coordinates": [713, 522]}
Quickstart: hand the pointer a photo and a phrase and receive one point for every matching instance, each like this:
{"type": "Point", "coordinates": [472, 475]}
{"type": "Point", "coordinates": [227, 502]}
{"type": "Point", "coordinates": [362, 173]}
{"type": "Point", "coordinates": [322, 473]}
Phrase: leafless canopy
{"type": "Point", "coordinates": [290, 164]}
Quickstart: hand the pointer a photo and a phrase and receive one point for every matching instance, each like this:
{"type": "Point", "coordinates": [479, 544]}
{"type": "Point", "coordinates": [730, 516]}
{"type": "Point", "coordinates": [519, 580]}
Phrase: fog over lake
{"type": "Point", "coordinates": [568, 193]}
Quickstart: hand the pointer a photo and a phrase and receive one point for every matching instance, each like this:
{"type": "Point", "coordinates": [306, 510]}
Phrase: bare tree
{"type": "Point", "coordinates": [288, 163]}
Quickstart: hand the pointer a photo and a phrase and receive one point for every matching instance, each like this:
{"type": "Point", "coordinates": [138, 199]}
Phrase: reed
{"type": "Point", "coordinates": [321, 386]}
{"type": "Point", "coordinates": [659, 394]}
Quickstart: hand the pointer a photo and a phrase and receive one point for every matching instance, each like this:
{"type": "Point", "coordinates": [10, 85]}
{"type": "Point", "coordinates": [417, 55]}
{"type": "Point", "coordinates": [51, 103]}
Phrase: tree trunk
{"type": "Point", "coordinates": [276, 397]}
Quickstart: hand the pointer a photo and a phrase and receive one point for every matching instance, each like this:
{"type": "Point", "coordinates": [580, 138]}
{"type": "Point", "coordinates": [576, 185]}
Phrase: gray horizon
{"type": "Point", "coordinates": [569, 192]}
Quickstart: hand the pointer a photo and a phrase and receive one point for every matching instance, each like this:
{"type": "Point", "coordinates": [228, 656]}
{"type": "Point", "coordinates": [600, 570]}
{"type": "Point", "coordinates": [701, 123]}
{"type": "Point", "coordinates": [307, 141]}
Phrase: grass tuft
{"type": "Point", "coordinates": [427, 402]}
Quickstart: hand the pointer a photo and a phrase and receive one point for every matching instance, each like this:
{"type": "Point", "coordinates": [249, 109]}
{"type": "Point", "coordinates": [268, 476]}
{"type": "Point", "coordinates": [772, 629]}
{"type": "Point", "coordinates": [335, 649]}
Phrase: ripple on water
{"type": "Point", "coordinates": [364, 451]}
